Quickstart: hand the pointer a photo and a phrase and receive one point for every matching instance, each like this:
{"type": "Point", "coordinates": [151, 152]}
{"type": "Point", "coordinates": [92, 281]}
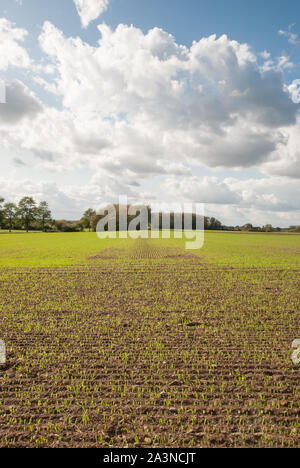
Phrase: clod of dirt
{"type": "Point", "coordinates": [5, 367]}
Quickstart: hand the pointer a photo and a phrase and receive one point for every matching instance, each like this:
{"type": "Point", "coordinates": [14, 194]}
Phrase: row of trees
{"type": "Point", "coordinates": [267, 228]}
{"type": "Point", "coordinates": [30, 215]}
{"type": "Point", "coordinates": [90, 219]}
{"type": "Point", "coordinates": [85, 223]}
{"type": "Point", "coordinates": [25, 215]}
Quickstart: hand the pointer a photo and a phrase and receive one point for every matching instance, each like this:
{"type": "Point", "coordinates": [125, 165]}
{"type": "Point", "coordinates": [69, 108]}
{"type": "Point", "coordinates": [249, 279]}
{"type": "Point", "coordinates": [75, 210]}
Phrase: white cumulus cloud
{"type": "Point", "coordinates": [12, 53]}
{"type": "Point", "coordinates": [140, 108]}
{"type": "Point", "coordinates": [155, 99]}
{"type": "Point", "coordinates": [89, 10]}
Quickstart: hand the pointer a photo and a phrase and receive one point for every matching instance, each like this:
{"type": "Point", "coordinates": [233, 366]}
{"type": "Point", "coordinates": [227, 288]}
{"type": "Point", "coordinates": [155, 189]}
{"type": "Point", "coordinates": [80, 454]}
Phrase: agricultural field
{"type": "Point", "coordinates": [123, 343]}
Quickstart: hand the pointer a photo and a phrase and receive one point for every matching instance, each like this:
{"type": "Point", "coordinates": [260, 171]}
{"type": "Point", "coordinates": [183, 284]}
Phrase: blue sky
{"type": "Point", "coordinates": [229, 105]}
{"type": "Point", "coordinates": [255, 22]}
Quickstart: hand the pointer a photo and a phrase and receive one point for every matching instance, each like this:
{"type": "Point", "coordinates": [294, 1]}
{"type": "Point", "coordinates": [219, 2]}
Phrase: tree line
{"type": "Point", "coordinates": [29, 215]}
{"type": "Point", "coordinates": [91, 219]}
{"type": "Point", "coordinates": [267, 228]}
{"type": "Point", "coordinates": [26, 214]}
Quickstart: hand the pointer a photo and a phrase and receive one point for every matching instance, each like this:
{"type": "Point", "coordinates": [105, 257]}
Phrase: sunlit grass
{"type": "Point", "coordinates": [222, 248]}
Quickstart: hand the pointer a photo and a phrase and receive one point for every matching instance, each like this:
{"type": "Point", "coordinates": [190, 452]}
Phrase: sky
{"type": "Point", "coordinates": [162, 101]}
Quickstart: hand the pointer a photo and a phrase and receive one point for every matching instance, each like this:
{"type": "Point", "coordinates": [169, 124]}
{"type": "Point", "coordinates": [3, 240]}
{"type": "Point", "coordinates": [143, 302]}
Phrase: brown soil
{"type": "Point", "coordinates": [155, 349]}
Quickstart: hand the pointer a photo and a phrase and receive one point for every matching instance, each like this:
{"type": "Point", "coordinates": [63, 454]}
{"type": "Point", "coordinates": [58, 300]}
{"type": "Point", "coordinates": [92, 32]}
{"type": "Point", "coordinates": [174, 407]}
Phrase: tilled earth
{"type": "Point", "coordinates": [149, 347]}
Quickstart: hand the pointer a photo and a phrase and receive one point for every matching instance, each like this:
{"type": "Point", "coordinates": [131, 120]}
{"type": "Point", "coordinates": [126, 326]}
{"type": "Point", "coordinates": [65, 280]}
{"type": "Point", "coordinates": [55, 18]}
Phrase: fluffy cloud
{"type": "Point", "coordinates": [20, 104]}
{"type": "Point", "coordinates": [209, 190]}
{"type": "Point", "coordinates": [274, 194]}
{"type": "Point", "coordinates": [209, 104]}
{"type": "Point", "coordinates": [90, 10]}
{"type": "Point", "coordinates": [259, 201]}
{"type": "Point", "coordinates": [138, 107]}
{"type": "Point", "coordinates": [286, 159]}
{"type": "Point", "coordinates": [59, 200]}
{"type": "Point", "coordinates": [11, 52]}
{"type": "Point", "coordinates": [272, 199]}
